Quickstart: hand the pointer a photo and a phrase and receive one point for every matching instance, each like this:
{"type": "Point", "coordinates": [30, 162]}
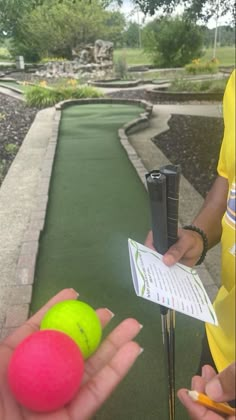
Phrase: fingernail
{"type": "Point", "coordinates": [141, 326]}
{"type": "Point", "coordinates": [141, 350]}
{"type": "Point", "coordinates": [214, 389]}
{"type": "Point", "coordinates": [77, 293]}
{"type": "Point", "coordinates": [110, 312]}
{"type": "Point", "coordinates": [206, 374]}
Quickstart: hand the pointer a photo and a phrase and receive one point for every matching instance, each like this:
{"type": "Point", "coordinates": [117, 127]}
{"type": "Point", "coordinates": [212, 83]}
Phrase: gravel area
{"type": "Point", "coordinates": [193, 142]}
{"type": "Point", "coordinates": [15, 121]}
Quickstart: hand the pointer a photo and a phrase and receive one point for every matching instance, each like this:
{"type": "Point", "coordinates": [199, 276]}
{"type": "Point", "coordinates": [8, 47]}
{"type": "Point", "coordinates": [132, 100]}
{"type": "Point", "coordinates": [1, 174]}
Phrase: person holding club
{"type": "Point", "coordinates": [214, 223]}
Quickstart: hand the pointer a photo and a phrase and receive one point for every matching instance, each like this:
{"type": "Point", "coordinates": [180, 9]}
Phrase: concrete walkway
{"type": "Point", "coordinates": [20, 198]}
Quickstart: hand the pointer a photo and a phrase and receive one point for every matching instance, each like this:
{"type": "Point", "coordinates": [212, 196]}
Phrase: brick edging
{"type": "Point", "coordinates": [25, 269]}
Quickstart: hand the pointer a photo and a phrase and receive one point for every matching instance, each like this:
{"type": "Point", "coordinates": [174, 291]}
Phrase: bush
{"type": "Point", "coordinates": [42, 97]}
{"type": "Point", "coordinates": [209, 86]}
{"type": "Point", "coordinates": [121, 67]}
{"type": "Point", "coordinates": [197, 67]}
{"type": "Point", "coordinates": [172, 42]}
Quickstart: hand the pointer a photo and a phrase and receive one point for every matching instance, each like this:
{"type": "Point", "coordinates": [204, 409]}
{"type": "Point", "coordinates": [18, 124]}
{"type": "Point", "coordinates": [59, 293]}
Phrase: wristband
{"type": "Point", "coordinates": [204, 240]}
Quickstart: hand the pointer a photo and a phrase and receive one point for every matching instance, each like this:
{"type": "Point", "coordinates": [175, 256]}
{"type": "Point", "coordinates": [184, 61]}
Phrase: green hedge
{"type": "Point", "coordinates": [42, 97]}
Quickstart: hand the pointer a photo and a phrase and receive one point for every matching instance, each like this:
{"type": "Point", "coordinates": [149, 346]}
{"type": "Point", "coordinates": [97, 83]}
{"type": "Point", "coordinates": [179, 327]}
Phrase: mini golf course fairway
{"type": "Point", "coordinates": [96, 202]}
{"type": "Point", "coordinates": [13, 85]}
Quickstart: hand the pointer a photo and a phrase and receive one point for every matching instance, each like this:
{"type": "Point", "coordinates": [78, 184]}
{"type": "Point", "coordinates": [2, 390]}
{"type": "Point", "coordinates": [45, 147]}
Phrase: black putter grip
{"type": "Point", "coordinates": [172, 174]}
{"type": "Point", "coordinates": [156, 184]}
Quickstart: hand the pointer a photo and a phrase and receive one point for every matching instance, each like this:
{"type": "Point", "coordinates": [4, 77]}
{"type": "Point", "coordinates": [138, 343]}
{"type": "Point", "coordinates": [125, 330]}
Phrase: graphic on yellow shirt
{"type": "Point", "coordinates": [230, 212]}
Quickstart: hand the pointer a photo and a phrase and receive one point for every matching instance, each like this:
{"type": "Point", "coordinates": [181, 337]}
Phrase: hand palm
{"type": "Point", "coordinates": [103, 371]}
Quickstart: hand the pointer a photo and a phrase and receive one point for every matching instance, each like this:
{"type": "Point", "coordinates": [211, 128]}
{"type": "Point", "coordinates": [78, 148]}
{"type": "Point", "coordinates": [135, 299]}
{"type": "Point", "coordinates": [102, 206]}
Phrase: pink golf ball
{"type": "Point", "coordinates": [45, 371]}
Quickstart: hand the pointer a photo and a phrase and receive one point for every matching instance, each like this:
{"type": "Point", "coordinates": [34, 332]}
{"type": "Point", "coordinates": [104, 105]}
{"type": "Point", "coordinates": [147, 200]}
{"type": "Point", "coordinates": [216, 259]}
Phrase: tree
{"type": "Point", "coordinates": [11, 11]}
{"type": "Point", "coordinates": [226, 36]}
{"type": "Point", "coordinates": [114, 27]}
{"type": "Point", "coordinates": [132, 35]}
{"type": "Point", "coordinates": [196, 9]}
{"type": "Point", "coordinates": [172, 42]}
{"type": "Point", "coordinates": [55, 28]}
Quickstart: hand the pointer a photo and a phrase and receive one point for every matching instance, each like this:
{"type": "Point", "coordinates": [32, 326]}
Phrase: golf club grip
{"type": "Point", "coordinates": [172, 174]}
{"type": "Point", "coordinates": [156, 184]}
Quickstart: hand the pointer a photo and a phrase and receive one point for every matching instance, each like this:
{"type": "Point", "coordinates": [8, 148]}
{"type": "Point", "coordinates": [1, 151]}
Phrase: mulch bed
{"type": "Point", "coordinates": [194, 143]}
{"type": "Point", "coordinates": [15, 121]}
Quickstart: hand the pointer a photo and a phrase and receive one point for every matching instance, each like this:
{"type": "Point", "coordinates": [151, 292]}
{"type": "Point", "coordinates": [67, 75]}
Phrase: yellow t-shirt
{"type": "Point", "coordinates": [222, 338]}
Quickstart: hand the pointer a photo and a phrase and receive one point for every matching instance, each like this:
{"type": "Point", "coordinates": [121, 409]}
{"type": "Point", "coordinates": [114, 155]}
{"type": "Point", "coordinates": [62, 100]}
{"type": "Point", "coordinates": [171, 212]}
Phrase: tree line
{"type": "Point", "coordinates": [54, 28]}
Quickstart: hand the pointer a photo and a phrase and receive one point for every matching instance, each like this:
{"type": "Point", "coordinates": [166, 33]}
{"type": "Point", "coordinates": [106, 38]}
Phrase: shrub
{"type": "Point", "coordinates": [121, 67]}
{"type": "Point", "coordinates": [197, 67]}
{"type": "Point", "coordinates": [172, 42]}
{"type": "Point", "coordinates": [42, 97]}
{"type": "Point", "coordinates": [210, 86]}
{"type": "Point", "coordinates": [218, 86]}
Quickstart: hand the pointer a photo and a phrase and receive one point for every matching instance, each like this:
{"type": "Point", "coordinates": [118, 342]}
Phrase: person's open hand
{"type": "Point", "coordinates": [103, 370]}
{"type": "Point", "coordinates": [219, 387]}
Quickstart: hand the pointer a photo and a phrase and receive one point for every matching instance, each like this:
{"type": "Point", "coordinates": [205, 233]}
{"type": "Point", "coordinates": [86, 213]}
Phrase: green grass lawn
{"type": "Point", "coordinates": [225, 55]}
{"type": "Point", "coordinates": [132, 56]}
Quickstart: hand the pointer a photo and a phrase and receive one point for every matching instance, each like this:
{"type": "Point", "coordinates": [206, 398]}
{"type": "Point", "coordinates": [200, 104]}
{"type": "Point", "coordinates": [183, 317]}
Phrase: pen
{"type": "Point", "coordinates": [221, 408]}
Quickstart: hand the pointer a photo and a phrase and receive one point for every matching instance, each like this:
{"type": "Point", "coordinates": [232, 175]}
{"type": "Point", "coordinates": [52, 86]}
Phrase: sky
{"type": "Point", "coordinates": [130, 13]}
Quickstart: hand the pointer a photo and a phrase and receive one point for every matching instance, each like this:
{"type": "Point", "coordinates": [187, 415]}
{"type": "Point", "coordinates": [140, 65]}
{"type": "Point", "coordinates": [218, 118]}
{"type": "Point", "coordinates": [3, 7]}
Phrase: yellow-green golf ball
{"type": "Point", "coordinates": [78, 320]}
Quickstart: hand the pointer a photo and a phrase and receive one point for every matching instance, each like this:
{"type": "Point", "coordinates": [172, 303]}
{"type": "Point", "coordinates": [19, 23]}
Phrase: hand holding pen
{"type": "Point", "coordinates": [219, 388]}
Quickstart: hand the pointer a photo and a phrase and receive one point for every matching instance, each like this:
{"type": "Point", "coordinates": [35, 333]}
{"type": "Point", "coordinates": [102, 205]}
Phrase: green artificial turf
{"type": "Point", "coordinates": [13, 85]}
{"type": "Point", "coordinates": [96, 202]}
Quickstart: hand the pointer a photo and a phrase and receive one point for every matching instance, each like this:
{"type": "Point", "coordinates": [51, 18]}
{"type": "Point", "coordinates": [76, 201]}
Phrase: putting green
{"type": "Point", "coordinates": [13, 85]}
{"type": "Point", "coordinates": [96, 202]}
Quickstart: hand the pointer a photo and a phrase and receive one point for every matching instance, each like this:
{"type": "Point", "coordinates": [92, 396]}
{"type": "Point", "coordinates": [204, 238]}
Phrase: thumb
{"type": "Point", "coordinates": [222, 387]}
{"type": "Point", "coordinates": [174, 253]}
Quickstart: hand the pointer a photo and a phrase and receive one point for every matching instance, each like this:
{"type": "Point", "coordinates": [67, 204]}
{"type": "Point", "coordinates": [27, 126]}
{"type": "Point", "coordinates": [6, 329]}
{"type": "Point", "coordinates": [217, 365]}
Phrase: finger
{"type": "Point", "coordinates": [198, 384]}
{"type": "Point", "coordinates": [105, 315]}
{"type": "Point", "coordinates": [92, 395]}
{"type": "Point", "coordinates": [149, 241]}
{"type": "Point", "coordinates": [33, 323]}
{"type": "Point", "coordinates": [208, 372]}
{"type": "Point", "coordinates": [222, 386]}
{"type": "Point", "coordinates": [195, 410]}
{"type": "Point", "coordinates": [174, 253]}
{"type": "Point", "coordinates": [124, 332]}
